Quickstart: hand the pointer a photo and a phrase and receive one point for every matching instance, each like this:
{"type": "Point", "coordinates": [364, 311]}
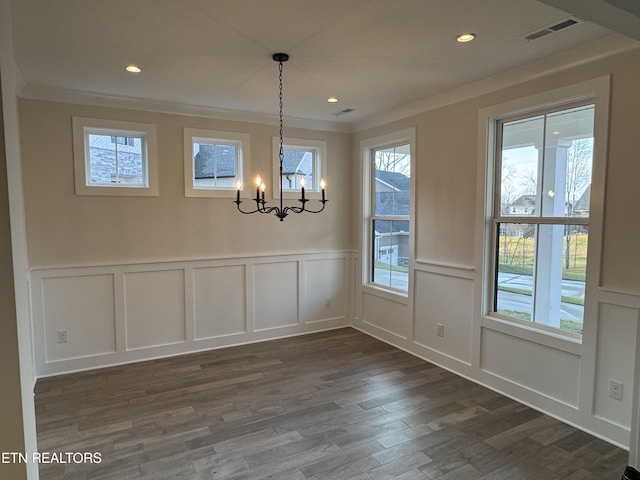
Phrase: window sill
{"type": "Point", "coordinates": [558, 339]}
{"type": "Point", "coordinates": [397, 296]}
{"type": "Point", "coordinates": [112, 190]}
{"type": "Point", "coordinates": [213, 193]}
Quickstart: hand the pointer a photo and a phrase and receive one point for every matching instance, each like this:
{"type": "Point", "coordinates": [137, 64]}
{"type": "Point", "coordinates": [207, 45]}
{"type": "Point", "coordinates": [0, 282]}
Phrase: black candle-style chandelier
{"type": "Point", "coordinates": [280, 211]}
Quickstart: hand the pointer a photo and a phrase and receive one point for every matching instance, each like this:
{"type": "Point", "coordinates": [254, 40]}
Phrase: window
{"type": "Point", "coordinates": [304, 161]}
{"type": "Point", "coordinates": [213, 162]}
{"type": "Point", "coordinates": [543, 177]}
{"type": "Point", "coordinates": [114, 158]}
{"type": "Point", "coordinates": [387, 210]}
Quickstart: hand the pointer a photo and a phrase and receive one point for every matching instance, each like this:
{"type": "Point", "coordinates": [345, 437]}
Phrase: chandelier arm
{"type": "Point", "coordinates": [305, 209]}
{"type": "Point", "coordinates": [259, 207]}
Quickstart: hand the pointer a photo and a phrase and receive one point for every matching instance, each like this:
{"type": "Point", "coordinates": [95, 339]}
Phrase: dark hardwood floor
{"type": "Point", "coordinates": [333, 405]}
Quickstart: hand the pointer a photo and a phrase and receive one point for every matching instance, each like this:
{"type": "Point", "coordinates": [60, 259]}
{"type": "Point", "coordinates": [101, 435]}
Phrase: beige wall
{"type": "Point", "coordinates": [11, 434]}
{"type": "Point", "coordinates": [64, 229]}
{"type": "Point", "coordinates": [447, 157]}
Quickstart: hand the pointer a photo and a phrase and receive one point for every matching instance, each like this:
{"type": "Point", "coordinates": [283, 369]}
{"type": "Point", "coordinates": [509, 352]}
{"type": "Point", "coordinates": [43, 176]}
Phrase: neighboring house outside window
{"type": "Point", "coordinates": [304, 162]}
{"type": "Point", "coordinates": [114, 158]}
{"type": "Point", "coordinates": [389, 216]}
{"type": "Point", "coordinates": [214, 162]}
{"type": "Point", "coordinates": [215, 165]}
{"type": "Point", "coordinates": [391, 206]}
{"type": "Point", "coordinates": [298, 164]}
{"type": "Point", "coordinates": [387, 209]}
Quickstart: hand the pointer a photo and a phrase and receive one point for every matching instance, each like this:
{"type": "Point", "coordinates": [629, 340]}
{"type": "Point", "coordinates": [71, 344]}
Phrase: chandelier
{"type": "Point", "coordinates": [279, 211]}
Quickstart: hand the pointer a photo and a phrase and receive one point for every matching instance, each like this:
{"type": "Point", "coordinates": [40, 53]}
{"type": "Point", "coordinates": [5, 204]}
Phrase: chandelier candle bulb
{"type": "Point", "coordinates": [258, 182]}
{"type": "Point", "coordinates": [322, 185]}
{"type": "Point", "coordinates": [302, 187]}
{"type": "Point", "coordinates": [262, 187]}
{"type": "Point", "coordinates": [238, 187]}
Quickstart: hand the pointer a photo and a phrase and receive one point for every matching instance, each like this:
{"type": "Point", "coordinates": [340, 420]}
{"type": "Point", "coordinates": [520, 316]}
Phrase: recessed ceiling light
{"type": "Point", "coordinates": [332, 99]}
{"type": "Point", "coordinates": [132, 69]}
{"type": "Point", "coordinates": [466, 37]}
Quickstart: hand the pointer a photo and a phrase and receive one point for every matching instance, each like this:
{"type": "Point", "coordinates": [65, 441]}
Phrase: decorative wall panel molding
{"type": "Point", "coordinates": [562, 377]}
{"type": "Point", "coordinates": [98, 316]}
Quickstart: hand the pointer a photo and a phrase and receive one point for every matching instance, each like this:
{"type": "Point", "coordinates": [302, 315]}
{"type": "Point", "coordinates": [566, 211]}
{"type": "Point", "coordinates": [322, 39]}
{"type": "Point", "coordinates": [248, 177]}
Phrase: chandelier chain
{"type": "Point", "coordinates": [281, 154]}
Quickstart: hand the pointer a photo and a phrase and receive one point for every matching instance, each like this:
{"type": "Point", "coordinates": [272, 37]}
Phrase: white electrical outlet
{"type": "Point", "coordinates": [615, 389]}
{"type": "Point", "coordinates": [328, 303]}
{"type": "Point", "coordinates": [62, 336]}
{"type": "Point", "coordinates": [440, 330]}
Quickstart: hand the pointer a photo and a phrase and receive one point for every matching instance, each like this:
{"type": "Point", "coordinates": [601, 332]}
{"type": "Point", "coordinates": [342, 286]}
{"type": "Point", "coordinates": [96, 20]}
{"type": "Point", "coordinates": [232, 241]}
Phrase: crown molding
{"type": "Point", "coordinates": [53, 94]}
{"type": "Point", "coordinates": [606, 47]}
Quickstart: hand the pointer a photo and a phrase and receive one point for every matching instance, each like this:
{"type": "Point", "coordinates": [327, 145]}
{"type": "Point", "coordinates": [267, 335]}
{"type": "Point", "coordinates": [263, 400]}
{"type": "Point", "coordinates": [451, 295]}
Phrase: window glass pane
{"type": "Point", "coordinates": [520, 166]}
{"type": "Point", "coordinates": [568, 159]}
{"type": "Point", "coordinates": [299, 165]}
{"type": "Point", "coordinates": [546, 163]}
{"type": "Point", "coordinates": [541, 273]}
{"type": "Point", "coordinates": [115, 160]}
{"type": "Point", "coordinates": [392, 180]}
{"type": "Point", "coordinates": [215, 165]}
{"type": "Point", "coordinates": [515, 265]}
{"type": "Point", "coordinates": [390, 247]}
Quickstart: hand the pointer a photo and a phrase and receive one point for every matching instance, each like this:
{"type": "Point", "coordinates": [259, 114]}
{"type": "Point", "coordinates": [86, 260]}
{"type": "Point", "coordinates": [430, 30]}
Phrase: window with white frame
{"type": "Point", "coordinates": [114, 157]}
{"type": "Point", "coordinates": [388, 173]}
{"type": "Point", "coordinates": [541, 209]}
{"type": "Point", "coordinates": [304, 164]}
{"type": "Point", "coordinates": [214, 162]}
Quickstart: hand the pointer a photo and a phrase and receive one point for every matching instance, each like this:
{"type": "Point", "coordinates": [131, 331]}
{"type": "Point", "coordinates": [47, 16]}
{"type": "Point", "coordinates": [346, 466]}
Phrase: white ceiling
{"type": "Point", "coordinates": [374, 55]}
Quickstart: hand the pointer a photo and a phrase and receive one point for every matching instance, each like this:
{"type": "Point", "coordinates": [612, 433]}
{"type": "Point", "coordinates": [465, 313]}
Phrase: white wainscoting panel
{"type": "Point", "coordinates": [545, 370]}
{"type": "Point", "coordinates": [446, 300]}
{"type": "Point", "coordinates": [390, 317]}
{"type": "Point", "coordinates": [219, 301]}
{"type": "Point", "coordinates": [326, 289]}
{"type": "Point", "coordinates": [154, 308]}
{"type": "Point", "coordinates": [559, 375]}
{"type": "Point", "coordinates": [275, 295]}
{"type": "Point", "coordinates": [615, 360]}
{"type": "Point", "coordinates": [83, 307]}
{"type": "Point", "coordinates": [117, 314]}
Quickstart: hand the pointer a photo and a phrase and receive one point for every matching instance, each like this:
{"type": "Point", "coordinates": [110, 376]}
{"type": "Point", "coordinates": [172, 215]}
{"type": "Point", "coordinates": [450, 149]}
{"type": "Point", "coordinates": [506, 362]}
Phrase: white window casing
{"type": "Point", "coordinates": [595, 92]}
{"type": "Point", "coordinates": [377, 246]}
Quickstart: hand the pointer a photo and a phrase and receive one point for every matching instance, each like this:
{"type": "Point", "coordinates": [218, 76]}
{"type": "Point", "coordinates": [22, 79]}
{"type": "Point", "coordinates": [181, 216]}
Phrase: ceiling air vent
{"type": "Point", "coordinates": [342, 112]}
{"type": "Point", "coordinates": [549, 29]}
{"type": "Point", "coordinates": [569, 22]}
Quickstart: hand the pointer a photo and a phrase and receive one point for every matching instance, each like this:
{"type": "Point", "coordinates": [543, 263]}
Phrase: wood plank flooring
{"type": "Point", "coordinates": [335, 405]}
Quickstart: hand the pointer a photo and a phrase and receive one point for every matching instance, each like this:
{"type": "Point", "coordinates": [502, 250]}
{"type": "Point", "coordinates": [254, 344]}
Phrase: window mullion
{"type": "Point", "coordinates": [117, 161]}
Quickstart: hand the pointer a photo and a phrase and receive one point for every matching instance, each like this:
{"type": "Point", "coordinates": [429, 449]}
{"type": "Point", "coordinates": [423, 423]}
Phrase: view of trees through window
{"type": "Point", "coordinates": [541, 217]}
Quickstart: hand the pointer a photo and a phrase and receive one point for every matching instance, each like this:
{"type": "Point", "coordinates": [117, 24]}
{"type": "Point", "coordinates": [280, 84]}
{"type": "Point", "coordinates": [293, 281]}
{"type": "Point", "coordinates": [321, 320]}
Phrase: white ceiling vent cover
{"type": "Point", "coordinates": [549, 29]}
